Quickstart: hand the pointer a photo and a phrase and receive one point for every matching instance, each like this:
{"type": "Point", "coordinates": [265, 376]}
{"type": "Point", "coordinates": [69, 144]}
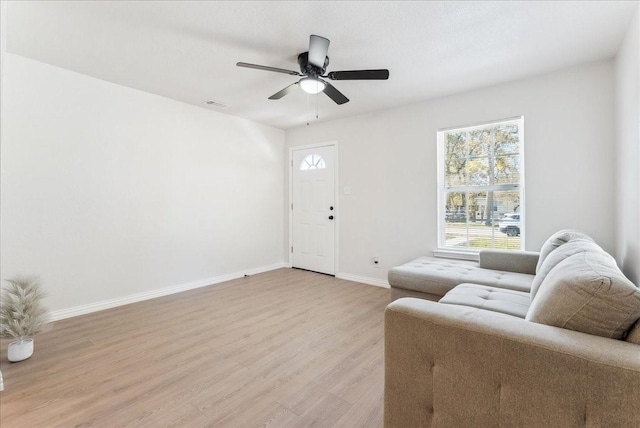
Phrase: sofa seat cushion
{"type": "Point", "coordinates": [494, 299]}
{"type": "Point", "coordinates": [437, 276]}
{"type": "Point", "coordinates": [587, 292]}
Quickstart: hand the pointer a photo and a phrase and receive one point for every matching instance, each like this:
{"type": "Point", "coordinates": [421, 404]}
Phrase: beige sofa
{"type": "Point", "coordinates": [564, 352]}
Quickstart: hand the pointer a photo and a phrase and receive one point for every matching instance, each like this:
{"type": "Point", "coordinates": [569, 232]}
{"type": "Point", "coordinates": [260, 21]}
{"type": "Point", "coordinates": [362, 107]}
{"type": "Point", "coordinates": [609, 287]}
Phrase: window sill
{"type": "Point", "coordinates": [457, 254]}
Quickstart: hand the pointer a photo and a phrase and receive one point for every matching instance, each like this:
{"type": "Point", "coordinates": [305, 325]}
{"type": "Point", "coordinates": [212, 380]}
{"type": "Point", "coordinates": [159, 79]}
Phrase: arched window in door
{"type": "Point", "coordinates": [312, 161]}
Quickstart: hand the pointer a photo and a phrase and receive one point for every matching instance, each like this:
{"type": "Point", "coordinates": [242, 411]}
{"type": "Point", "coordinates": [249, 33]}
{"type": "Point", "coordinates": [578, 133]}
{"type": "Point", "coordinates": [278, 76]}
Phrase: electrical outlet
{"type": "Point", "coordinates": [376, 261]}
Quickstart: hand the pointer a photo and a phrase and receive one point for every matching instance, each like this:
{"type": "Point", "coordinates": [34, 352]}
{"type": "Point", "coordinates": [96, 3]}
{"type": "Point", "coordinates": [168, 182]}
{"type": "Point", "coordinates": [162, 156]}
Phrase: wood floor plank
{"type": "Point", "coordinates": [323, 413]}
{"type": "Point", "coordinates": [281, 348]}
{"type": "Point", "coordinates": [280, 418]}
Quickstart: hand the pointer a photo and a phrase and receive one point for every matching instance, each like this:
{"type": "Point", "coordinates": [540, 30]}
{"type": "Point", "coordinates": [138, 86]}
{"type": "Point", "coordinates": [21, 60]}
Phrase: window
{"type": "Point", "coordinates": [480, 187]}
{"type": "Point", "coordinates": [312, 162]}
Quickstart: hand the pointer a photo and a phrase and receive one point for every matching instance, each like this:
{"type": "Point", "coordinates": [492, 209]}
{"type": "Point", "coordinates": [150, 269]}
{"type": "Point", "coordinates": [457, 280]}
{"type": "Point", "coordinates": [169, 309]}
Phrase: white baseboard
{"type": "Point", "coordinates": [138, 297]}
{"type": "Point", "coordinates": [364, 279]}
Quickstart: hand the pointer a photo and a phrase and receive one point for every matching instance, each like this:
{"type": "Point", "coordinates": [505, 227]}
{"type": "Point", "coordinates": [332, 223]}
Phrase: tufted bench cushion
{"type": "Point", "coordinates": [508, 302]}
{"type": "Point", "coordinates": [435, 277]}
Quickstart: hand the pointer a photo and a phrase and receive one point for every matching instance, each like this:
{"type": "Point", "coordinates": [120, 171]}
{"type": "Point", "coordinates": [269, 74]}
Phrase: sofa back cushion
{"type": "Point", "coordinates": [587, 292]}
{"type": "Point", "coordinates": [568, 249]}
{"type": "Point", "coordinates": [556, 240]}
{"type": "Point", "coordinates": [633, 335]}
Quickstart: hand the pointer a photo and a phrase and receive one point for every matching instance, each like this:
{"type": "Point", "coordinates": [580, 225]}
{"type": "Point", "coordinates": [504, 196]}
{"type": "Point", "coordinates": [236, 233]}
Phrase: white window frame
{"type": "Point", "coordinates": [466, 252]}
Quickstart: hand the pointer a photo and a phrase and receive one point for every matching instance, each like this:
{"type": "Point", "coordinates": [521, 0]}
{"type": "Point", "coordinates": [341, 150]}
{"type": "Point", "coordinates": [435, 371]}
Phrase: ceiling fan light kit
{"type": "Point", "coordinates": [311, 85]}
{"type": "Point", "coordinates": [313, 65]}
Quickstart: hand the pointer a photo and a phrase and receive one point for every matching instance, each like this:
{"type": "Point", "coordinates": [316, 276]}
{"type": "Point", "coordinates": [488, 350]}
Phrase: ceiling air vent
{"type": "Point", "coordinates": [213, 103]}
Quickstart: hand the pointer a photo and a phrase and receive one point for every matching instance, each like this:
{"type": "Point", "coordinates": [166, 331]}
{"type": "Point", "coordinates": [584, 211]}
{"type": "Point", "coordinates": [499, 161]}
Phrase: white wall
{"type": "Point", "coordinates": [389, 161]}
{"type": "Point", "coordinates": [627, 108]}
{"type": "Point", "coordinates": [110, 192]}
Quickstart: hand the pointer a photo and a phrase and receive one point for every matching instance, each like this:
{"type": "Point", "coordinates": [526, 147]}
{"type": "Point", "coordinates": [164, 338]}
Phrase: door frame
{"type": "Point", "coordinates": [336, 201]}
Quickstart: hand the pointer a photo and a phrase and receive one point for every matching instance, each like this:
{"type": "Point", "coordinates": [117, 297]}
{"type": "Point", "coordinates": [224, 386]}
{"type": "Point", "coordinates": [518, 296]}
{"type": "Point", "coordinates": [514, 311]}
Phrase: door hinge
{"type": "Point", "coordinates": [292, 249]}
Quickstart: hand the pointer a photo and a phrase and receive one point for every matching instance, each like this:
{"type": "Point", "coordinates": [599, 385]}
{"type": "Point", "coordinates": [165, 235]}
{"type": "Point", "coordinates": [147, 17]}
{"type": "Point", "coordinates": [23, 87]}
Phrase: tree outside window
{"type": "Point", "coordinates": [481, 186]}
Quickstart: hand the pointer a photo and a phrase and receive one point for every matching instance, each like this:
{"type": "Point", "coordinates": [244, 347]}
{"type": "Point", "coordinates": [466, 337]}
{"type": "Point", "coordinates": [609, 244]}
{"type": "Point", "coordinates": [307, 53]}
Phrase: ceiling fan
{"type": "Point", "coordinates": [313, 65]}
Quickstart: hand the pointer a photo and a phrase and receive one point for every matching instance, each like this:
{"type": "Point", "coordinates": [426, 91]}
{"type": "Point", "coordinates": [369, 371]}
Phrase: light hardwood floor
{"type": "Point", "coordinates": [285, 348]}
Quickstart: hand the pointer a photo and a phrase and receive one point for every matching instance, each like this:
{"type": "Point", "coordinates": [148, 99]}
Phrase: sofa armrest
{"type": "Point", "coordinates": [510, 261]}
{"type": "Point", "coordinates": [451, 365]}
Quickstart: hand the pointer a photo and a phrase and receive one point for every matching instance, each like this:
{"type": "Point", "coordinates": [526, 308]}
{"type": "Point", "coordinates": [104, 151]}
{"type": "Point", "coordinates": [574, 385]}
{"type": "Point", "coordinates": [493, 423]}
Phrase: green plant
{"type": "Point", "coordinates": [22, 314]}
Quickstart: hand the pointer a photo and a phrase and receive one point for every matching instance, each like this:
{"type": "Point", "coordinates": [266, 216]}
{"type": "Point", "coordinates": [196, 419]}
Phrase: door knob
{"type": "Point", "coordinates": [330, 217]}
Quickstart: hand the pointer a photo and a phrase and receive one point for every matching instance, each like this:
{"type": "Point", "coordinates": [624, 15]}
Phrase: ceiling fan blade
{"type": "Point", "coordinates": [318, 47]}
{"type": "Point", "coordinates": [337, 96]}
{"type": "Point", "coordinates": [283, 92]}
{"type": "Point", "coordinates": [359, 75]}
{"type": "Point", "coordinates": [265, 68]}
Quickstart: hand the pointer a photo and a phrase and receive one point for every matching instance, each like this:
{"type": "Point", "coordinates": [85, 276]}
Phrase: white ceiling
{"type": "Point", "coordinates": [188, 50]}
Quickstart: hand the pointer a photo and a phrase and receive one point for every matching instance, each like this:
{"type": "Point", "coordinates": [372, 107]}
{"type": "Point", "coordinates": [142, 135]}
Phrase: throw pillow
{"type": "Point", "coordinates": [587, 292]}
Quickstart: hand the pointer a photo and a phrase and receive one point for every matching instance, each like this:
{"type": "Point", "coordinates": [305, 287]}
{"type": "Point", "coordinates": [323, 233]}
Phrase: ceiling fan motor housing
{"type": "Point", "coordinates": [309, 69]}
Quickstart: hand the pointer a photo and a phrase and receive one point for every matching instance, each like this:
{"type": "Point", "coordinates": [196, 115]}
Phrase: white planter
{"type": "Point", "coordinates": [20, 350]}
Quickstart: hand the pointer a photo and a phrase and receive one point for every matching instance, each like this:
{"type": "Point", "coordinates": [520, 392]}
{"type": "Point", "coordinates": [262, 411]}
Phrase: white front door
{"type": "Point", "coordinates": [313, 209]}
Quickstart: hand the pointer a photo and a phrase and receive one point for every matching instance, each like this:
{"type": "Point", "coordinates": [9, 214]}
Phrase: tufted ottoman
{"type": "Point", "coordinates": [431, 278]}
